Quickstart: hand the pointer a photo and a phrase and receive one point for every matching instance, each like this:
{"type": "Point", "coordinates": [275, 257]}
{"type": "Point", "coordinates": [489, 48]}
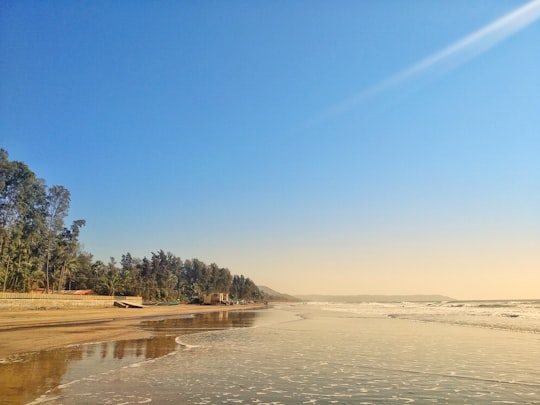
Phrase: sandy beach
{"type": "Point", "coordinates": [33, 330]}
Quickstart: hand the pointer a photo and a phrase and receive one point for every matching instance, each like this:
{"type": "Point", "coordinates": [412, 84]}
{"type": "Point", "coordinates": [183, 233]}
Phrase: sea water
{"type": "Point", "coordinates": [321, 353]}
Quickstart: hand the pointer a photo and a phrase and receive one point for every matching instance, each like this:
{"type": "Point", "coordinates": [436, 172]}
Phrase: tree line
{"type": "Point", "coordinates": [39, 251]}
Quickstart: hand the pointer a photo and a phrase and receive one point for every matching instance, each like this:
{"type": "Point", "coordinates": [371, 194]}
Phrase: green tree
{"type": "Point", "coordinates": [58, 199]}
{"type": "Point", "coordinates": [98, 272]}
{"type": "Point", "coordinates": [244, 288]}
{"type": "Point", "coordinates": [82, 276]}
{"type": "Point", "coordinates": [65, 258]}
{"type": "Point", "coordinates": [110, 281]}
{"type": "Point", "coordinates": [22, 215]}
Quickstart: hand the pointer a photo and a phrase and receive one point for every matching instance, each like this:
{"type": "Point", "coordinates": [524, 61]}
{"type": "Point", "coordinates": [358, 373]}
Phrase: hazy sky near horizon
{"type": "Point", "coordinates": [339, 147]}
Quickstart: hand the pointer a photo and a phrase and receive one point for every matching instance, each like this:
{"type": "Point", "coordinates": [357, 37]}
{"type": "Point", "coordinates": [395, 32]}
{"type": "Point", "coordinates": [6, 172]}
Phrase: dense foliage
{"type": "Point", "coordinates": [37, 250]}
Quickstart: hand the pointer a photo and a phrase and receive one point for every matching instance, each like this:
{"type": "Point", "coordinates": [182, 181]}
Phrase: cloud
{"type": "Point", "coordinates": [446, 59]}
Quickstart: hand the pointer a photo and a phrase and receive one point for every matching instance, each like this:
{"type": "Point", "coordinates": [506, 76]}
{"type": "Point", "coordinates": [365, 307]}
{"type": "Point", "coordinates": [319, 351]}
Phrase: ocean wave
{"type": "Point", "coordinates": [184, 345]}
{"type": "Point", "coordinates": [523, 316]}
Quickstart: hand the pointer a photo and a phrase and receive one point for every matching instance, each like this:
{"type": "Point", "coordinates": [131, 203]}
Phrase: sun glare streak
{"type": "Point", "coordinates": [447, 59]}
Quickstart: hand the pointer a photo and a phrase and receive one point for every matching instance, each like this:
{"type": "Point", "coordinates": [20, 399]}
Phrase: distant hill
{"type": "Point", "coordinates": [373, 298]}
{"type": "Point", "coordinates": [273, 295]}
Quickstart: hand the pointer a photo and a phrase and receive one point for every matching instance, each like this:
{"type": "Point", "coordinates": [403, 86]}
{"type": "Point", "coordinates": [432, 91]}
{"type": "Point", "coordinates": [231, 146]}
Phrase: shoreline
{"type": "Point", "coordinates": [26, 331]}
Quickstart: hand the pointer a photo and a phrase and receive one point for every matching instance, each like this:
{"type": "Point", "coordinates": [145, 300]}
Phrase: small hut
{"type": "Point", "coordinates": [215, 298]}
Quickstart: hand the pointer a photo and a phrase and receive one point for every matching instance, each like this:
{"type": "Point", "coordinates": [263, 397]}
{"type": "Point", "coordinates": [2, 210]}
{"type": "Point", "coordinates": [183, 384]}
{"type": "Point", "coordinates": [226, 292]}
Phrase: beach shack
{"type": "Point", "coordinates": [215, 298]}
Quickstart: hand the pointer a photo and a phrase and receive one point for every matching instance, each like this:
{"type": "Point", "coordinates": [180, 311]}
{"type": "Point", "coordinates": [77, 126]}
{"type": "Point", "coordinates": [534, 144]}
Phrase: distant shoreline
{"type": "Point", "coordinates": [359, 298]}
{"type": "Point", "coordinates": [25, 331]}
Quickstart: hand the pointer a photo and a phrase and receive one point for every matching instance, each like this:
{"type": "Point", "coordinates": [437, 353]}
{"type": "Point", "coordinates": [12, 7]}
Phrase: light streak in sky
{"type": "Point", "coordinates": [448, 58]}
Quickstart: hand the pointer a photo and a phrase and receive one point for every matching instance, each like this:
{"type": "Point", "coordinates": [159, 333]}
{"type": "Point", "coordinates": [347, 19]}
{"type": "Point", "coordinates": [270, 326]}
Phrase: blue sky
{"type": "Point", "coordinates": [342, 147]}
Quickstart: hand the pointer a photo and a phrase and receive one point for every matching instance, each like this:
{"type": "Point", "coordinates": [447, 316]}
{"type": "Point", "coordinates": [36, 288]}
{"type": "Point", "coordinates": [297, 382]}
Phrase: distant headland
{"type": "Point", "coordinates": [373, 298]}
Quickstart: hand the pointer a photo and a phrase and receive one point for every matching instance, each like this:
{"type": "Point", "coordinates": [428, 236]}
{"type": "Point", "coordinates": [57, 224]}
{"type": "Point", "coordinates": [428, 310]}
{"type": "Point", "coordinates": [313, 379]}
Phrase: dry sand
{"type": "Point", "coordinates": [34, 330]}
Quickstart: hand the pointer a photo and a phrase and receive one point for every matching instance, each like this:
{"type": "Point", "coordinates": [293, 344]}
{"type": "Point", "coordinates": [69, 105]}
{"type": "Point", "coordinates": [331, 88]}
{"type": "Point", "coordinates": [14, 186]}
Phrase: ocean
{"type": "Point", "coordinates": [483, 352]}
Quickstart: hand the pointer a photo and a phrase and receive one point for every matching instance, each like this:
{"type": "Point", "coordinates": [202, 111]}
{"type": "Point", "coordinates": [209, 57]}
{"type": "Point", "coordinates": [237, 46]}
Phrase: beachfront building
{"type": "Point", "coordinates": [215, 298]}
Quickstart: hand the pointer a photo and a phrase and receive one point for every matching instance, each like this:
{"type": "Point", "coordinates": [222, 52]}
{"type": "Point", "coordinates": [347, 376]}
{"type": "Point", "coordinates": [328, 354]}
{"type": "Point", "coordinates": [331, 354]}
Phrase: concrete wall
{"type": "Point", "coordinates": [16, 301]}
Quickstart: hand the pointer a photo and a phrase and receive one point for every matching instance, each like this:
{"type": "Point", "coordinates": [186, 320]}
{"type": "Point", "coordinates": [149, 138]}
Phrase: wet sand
{"type": "Point", "coordinates": [34, 330]}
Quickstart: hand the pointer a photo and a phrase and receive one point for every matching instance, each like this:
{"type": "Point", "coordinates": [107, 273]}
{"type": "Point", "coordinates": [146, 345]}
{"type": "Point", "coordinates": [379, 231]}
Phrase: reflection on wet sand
{"type": "Point", "coordinates": [209, 321]}
{"type": "Point", "coordinates": [34, 374]}
{"type": "Point", "coordinates": [26, 377]}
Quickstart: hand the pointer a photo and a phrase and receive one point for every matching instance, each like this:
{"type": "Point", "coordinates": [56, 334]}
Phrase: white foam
{"type": "Point", "coordinates": [512, 315]}
{"type": "Point", "coordinates": [184, 345]}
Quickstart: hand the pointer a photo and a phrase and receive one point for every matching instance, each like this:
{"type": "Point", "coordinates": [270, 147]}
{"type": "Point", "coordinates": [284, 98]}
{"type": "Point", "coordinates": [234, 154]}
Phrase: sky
{"type": "Point", "coordinates": [334, 147]}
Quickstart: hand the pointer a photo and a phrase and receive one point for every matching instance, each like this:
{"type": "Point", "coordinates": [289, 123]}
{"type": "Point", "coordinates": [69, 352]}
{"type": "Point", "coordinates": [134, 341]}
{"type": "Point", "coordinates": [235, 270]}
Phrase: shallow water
{"type": "Point", "coordinates": [314, 354]}
{"type": "Point", "coordinates": [26, 377]}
